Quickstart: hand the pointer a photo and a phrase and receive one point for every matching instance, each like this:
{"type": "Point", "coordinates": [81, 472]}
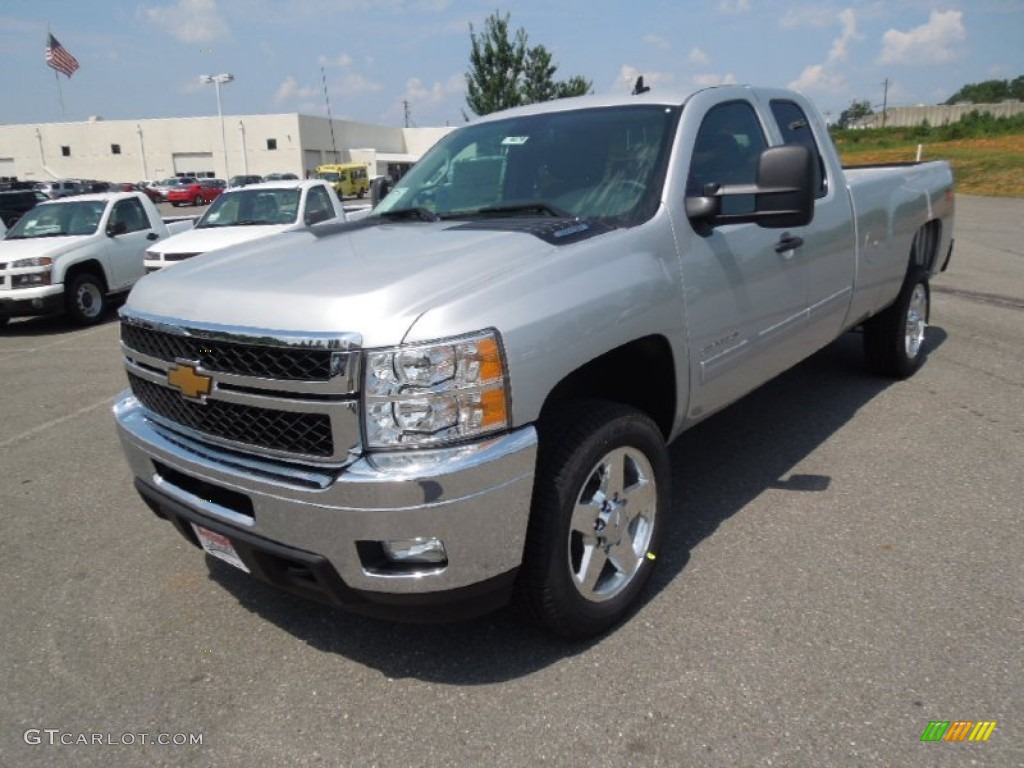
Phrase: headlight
{"type": "Point", "coordinates": [37, 261]}
{"type": "Point", "coordinates": [428, 394]}
{"type": "Point", "coordinates": [30, 280]}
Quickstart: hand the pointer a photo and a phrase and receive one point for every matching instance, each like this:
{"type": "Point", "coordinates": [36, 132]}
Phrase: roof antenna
{"type": "Point", "coordinates": [640, 87]}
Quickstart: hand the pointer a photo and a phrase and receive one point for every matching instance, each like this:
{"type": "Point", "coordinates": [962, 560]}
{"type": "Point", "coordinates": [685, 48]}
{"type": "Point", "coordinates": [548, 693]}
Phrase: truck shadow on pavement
{"type": "Point", "coordinates": [719, 466]}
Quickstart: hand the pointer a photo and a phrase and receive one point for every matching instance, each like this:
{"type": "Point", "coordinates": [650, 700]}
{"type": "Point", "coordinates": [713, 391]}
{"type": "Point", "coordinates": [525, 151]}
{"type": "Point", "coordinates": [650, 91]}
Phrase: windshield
{"type": "Point", "coordinates": [596, 163]}
{"type": "Point", "coordinates": [328, 175]}
{"type": "Point", "coordinates": [244, 207]}
{"type": "Point", "coordinates": [59, 220]}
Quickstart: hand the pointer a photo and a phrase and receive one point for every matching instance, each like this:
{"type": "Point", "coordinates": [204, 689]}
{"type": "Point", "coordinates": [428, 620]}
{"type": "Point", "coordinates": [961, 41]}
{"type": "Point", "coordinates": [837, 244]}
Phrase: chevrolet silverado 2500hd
{"type": "Point", "coordinates": [467, 394]}
{"type": "Point", "coordinates": [73, 253]}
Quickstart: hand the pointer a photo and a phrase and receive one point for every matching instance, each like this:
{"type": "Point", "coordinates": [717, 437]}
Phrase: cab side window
{"type": "Point", "coordinates": [796, 130]}
{"type": "Point", "coordinates": [726, 152]}
{"type": "Point", "coordinates": [318, 206]}
{"type": "Point", "coordinates": [131, 213]}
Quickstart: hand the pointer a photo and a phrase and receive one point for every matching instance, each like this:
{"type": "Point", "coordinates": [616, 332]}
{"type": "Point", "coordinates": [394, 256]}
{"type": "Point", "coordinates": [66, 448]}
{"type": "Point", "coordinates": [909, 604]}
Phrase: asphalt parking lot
{"type": "Point", "coordinates": [843, 567]}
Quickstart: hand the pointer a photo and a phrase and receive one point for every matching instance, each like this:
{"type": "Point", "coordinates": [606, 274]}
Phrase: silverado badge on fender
{"type": "Point", "coordinates": [193, 385]}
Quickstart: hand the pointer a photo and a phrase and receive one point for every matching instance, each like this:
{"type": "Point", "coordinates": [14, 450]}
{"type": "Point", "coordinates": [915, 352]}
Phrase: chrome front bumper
{"type": "Point", "coordinates": [475, 498]}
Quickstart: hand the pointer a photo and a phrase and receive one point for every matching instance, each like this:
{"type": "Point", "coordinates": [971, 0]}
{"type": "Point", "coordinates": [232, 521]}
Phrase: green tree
{"type": "Point", "coordinates": [506, 72]}
{"type": "Point", "coordinates": [855, 111]}
{"type": "Point", "coordinates": [989, 91]}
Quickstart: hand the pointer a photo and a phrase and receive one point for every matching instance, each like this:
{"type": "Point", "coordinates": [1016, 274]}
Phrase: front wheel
{"type": "Point", "coordinates": [600, 498]}
{"type": "Point", "coordinates": [894, 338]}
{"type": "Point", "coordinates": [86, 299]}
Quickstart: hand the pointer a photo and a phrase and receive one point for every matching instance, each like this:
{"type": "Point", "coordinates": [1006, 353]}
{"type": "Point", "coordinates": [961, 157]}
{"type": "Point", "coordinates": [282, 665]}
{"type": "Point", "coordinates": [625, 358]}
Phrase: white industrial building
{"type": "Point", "coordinates": [136, 150]}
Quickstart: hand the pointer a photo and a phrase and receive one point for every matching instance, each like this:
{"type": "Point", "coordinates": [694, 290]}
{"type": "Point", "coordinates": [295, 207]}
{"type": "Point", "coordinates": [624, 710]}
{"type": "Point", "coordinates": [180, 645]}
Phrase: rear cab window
{"type": "Point", "coordinates": [796, 131]}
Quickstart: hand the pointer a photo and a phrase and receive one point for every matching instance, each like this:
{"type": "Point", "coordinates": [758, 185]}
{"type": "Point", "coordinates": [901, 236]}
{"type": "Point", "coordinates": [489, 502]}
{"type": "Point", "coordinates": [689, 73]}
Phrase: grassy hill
{"type": "Point", "coordinates": [991, 165]}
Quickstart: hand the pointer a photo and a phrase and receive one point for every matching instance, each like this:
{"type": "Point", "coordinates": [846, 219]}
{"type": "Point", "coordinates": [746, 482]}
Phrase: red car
{"type": "Point", "coordinates": [197, 193]}
{"type": "Point", "coordinates": [152, 194]}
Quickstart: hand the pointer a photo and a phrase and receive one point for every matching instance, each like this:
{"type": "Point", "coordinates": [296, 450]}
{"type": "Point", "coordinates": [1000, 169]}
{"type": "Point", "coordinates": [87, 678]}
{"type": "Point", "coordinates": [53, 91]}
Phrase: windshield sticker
{"type": "Point", "coordinates": [514, 141]}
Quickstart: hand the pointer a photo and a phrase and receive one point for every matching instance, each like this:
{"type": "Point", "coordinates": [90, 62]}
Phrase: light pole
{"type": "Point", "coordinates": [217, 81]}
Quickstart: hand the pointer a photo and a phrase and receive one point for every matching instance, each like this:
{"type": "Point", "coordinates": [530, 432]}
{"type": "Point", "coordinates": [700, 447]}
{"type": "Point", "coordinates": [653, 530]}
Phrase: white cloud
{"type": "Point", "coordinates": [290, 90]}
{"type": "Point", "coordinates": [417, 91]}
{"type": "Point", "coordinates": [734, 6]}
{"type": "Point", "coordinates": [191, 21]}
{"type": "Point", "coordinates": [709, 80]}
{"type": "Point", "coordinates": [628, 75]}
{"type": "Point", "coordinates": [657, 41]}
{"type": "Point", "coordinates": [353, 83]}
{"type": "Point", "coordinates": [841, 45]}
{"type": "Point", "coordinates": [933, 43]}
{"type": "Point", "coordinates": [698, 57]}
{"type": "Point", "coordinates": [343, 60]}
{"type": "Point", "coordinates": [815, 17]}
{"type": "Point", "coordinates": [825, 77]}
{"type": "Point", "coordinates": [817, 77]}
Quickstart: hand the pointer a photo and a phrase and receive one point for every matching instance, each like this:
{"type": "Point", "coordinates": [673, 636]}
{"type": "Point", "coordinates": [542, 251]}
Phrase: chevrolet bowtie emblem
{"type": "Point", "coordinates": [193, 385]}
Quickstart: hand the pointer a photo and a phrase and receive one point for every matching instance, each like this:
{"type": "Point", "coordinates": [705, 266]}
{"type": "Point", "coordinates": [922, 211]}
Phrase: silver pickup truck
{"type": "Point", "coordinates": [465, 396]}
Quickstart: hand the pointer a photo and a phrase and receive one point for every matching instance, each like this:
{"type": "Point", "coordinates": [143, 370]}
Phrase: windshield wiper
{"type": "Point", "coordinates": [417, 212]}
{"type": "Point", "coordinates": [535, 207]}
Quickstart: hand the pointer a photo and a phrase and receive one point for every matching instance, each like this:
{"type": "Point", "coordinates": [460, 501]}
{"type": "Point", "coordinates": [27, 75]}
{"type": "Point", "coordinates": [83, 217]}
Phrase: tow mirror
{"type": "Point", "coordinates": [379, 189]}
{"type": "Point", "coordinates": [783, 194]}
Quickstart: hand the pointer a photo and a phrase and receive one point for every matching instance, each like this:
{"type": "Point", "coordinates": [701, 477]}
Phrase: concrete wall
{"type": "Point", "coordinates": [942, 114]}
{"type": "Point", "coordinates": [258, 144]}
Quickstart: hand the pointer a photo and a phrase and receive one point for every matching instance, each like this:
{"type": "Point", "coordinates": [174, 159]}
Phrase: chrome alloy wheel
{"type": "Point", "coordinates": [612, 523]}
{"type": "Point", "coordinates": [89, 300]}
{"type": "Point", "coordinates": [917, 314]}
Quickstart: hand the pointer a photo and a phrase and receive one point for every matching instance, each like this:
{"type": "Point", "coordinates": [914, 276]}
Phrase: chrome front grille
{"type": "Point", "coordinates": [295, 364]}
{"type": "Point", "coordinates": [306, 434]}
{"type": "Point", "coordinates": [280, 395]}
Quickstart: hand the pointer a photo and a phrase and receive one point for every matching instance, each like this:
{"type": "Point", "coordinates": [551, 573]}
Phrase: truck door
{"type": "Point", "coordinates": [745, 299]}
{"type": "Point", "coordinates": [830, 241]}
{"type": "Point", "coordinates": [128, 251]}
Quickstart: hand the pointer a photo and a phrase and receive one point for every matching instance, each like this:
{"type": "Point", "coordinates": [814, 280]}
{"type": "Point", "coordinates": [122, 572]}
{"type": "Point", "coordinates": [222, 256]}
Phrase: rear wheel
{"type": "Point", "coordinates": [86, 299]}
{"type": "Point", "coordinates": [600, 498]}
{"type": "Point", "coordinates": [894, 339]}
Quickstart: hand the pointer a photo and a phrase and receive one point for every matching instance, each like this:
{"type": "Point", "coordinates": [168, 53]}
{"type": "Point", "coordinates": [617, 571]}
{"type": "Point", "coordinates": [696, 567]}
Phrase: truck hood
{"type": "Point", "coordinates": [374, 281]}
{"type": "Point", "coordinates": [13, 250]}
{"type": "Point", "coordinates": [208, 239]}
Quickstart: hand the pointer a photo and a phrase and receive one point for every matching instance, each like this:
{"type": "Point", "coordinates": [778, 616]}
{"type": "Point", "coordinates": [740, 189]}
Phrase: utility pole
{"type": "Point", "coordinates": [885, 100]}
{"type": "Point", "coordinates": [330, 120]}
{"type": "Point", "coordinates": [405, 109]}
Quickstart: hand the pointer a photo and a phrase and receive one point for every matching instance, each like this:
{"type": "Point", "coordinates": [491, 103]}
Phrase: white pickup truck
{"type": "Point", "coordinates": [74, 253]}
{"type": "Point", "coordinates": [249, 213]}
{"type": "Point", "coordinates": [467, 394]}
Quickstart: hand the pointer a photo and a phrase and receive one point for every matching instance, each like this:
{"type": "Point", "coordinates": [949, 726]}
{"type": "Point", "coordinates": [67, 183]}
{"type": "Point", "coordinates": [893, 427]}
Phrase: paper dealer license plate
{"type": "Point", "coordinates": [219, 546]}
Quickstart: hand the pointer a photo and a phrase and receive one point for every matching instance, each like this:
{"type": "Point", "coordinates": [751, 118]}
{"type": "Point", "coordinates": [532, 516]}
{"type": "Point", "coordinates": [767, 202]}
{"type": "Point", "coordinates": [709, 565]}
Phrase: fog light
{"type": "Point", "coordinates": [416, 550]}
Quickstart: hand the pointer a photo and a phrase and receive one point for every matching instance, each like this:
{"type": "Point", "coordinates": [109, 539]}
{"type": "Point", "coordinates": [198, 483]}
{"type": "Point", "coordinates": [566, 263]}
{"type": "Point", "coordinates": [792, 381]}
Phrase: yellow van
{"type": "Point", "coordinates": [348, 179]}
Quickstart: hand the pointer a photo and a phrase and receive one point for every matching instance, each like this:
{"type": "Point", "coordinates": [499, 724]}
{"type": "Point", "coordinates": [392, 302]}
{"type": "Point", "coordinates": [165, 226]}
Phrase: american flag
{"type": "Point", "coordinates": [58, 57]}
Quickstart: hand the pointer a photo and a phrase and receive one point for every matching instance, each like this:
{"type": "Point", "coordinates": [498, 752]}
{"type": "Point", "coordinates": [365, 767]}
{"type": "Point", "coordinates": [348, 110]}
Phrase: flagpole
{"type": "Point", "coordinates": [56, 77]}
{"type": "Point", "coordinates": [60, 96]}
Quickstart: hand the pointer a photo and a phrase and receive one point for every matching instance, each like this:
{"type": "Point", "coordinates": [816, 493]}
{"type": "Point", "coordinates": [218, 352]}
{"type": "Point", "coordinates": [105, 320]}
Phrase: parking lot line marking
{"type": "Point", "coordinates": [54, 422]}
{"type": "Point", "coordinates": [69, 339]}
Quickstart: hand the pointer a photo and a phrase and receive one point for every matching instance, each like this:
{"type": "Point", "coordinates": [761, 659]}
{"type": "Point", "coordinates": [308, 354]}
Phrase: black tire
{"type": "Point", "coordinates": [894, 339]}
{"type": "Point", "coordinates": [86, 298]}
{"type": "Point", "coordinates": [576, 444]}
{"type": "Point", "coordinates": [360, 193]}
{"type": "Point", "coordinates": [4, 321]}
{"type": "Point", "coordinates": [175, 204]}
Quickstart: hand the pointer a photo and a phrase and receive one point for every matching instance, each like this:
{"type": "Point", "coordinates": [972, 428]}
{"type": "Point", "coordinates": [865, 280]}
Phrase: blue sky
{"type": "Point", "coordinates": [143, 58]}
